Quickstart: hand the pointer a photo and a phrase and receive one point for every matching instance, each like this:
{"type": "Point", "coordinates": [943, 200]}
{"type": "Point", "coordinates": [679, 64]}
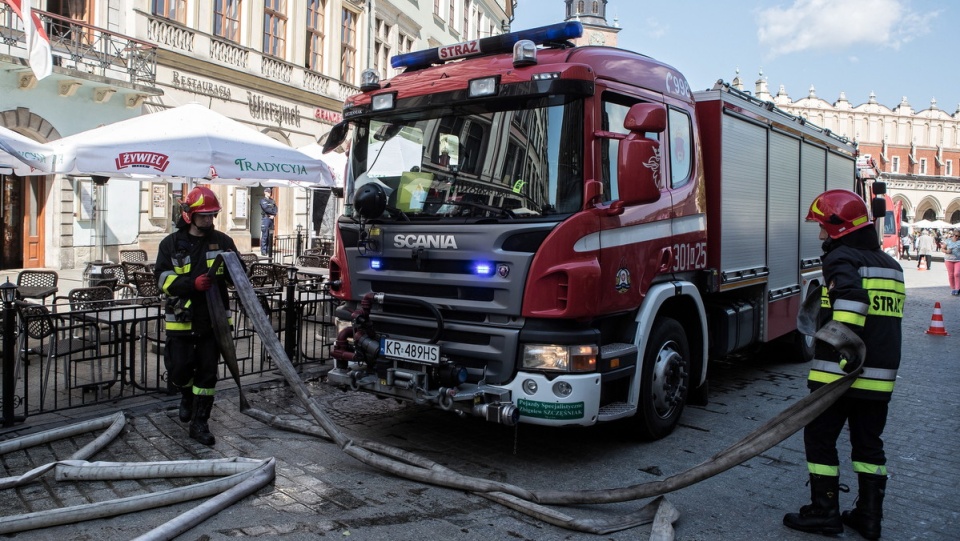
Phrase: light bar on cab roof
{"type": "Point", "coordinates": [495, 44]}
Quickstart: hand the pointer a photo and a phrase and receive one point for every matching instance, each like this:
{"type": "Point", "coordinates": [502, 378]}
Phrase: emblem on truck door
{"type": "Point", "coordinates": [622, 284]}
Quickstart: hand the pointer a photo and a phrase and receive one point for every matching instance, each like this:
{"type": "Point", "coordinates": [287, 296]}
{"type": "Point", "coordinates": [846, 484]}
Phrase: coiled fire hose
{"type": "Point", "coordinates": [530, 502]}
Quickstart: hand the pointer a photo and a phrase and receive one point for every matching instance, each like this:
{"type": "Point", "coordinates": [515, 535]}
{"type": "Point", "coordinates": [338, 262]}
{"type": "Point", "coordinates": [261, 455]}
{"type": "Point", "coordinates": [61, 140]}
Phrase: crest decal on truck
{"type": "Point", "coordinates": [622, 283]}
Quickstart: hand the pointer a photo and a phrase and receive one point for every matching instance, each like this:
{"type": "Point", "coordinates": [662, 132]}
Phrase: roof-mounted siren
{"type": "Point", "coordinates": [369, 80]}
{"type": "Point", "coordinates": [503, 43]}
{"type": "Point", "coordinates": [524, 53]}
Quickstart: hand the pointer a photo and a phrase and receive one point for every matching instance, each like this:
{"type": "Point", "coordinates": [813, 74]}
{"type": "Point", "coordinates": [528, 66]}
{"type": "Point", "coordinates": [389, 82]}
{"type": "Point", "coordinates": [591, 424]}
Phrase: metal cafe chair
{"type": "Point", "coordinates": [133, 256]}
{"type": "Point", "coordinates": [122, 288]}
{"type": "Point", "coordinates": [37, 284]}
{"type": "Point", "coordinates": [53, 339]}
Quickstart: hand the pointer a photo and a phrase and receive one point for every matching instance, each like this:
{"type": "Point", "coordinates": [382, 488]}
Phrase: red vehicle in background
{"type": "Point", "coordinates": [890, 223]}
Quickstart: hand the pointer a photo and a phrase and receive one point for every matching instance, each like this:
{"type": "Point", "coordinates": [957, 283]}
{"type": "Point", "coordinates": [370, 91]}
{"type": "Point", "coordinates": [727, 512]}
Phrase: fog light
{"type": "Point", "coordinates": [562, 389]}
{"type": "Point", "coordinates": [530, 386]}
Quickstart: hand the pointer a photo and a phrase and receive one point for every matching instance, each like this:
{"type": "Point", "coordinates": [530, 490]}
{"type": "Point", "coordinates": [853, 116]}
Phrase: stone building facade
{"type": "Point", "coordinates": [281, 68]}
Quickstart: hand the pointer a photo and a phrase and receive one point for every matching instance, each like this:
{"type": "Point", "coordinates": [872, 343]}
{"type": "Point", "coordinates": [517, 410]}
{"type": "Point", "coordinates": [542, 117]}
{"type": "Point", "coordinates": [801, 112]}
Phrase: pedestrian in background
{"type": "Point", "coordinates": [192, 354]}
{"type": "Point", "coordinates": [951, 258]}
{"type": "Point", "coordinates": [269, 209]}
{"type": "Point", "coordinates": [861, 314]}
{"type": "Point", "coordinates": [925, 248]}
{"type": "Point", "coordinates": [905, 242]}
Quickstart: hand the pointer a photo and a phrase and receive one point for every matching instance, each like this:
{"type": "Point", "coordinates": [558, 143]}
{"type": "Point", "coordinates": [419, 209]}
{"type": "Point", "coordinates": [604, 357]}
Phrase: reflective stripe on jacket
{"type": "Point", "coordinates": [865, 291]}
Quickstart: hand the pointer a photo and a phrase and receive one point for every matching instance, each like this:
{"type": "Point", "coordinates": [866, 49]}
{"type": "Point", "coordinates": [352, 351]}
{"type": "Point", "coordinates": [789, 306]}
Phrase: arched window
{"type": "Point", "coordinates": [580, 7]}
{"type": "Point", "coordinates": [596, 7]}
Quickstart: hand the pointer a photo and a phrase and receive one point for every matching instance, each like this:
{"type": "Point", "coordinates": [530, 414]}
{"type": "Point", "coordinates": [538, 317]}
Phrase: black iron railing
{"type": "Point", "coordinates": [85, 48]}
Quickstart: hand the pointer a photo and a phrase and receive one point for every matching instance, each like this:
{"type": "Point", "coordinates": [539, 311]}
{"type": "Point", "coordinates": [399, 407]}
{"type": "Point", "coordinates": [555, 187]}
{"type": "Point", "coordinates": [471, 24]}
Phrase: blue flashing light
{"type": "Point", "coordinates": [483, 268]}
{"type": "Point", "coordinates": [376, 264]}
{"type": "Point", "coordinates": [495, 44]}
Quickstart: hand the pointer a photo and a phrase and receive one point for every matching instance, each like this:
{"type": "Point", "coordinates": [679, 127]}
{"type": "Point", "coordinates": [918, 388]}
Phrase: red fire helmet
{"type": "Point", "coordinates": [200, 200]}
{"type": "Point", "coordinates": [840, 212]}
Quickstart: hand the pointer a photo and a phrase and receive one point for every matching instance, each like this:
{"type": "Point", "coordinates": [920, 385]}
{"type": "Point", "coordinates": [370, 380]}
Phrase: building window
{"type": "Point", "coordinates": [452, 15]}
{"type": "Point", "coordinates": [895, 164]}
{"type": "Point", "coordinates": [436, 7]}
{"type": "Point", "coordinates": [175, 10]}
{"type": "Point", "coordinates": [348, 46]}
{"type": "Point", "coordinates": [275, 27]}
{"type": "Point", "coordinates": [923, 166]}
{"type": "Point", "coordinates": [466, 19]}
{"type": "Point", "coordinates": [381, 48]}
{"type": "Point", "coordinates": [949, 168]}
{"type": "Point", "coordinates": [316, 10]}
{"type": "Point", "coordinates": [226, 19]}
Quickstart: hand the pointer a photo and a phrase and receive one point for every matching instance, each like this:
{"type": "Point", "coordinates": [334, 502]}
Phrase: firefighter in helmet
{"type": "Point", "coordinates": [192, 353]}
{"type": "Point", "coordinates": [861, 311]}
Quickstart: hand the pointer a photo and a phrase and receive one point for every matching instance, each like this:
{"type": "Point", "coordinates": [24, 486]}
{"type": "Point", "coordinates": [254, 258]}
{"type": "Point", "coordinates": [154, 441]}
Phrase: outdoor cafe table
{"type": "Point", "coordinates": [124, 319]}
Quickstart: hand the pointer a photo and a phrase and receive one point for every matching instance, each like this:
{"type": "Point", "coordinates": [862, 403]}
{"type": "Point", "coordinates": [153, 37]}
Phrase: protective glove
{"type": "Point", "coordinates": [202, 282]}
{"type": "Point", "coordinates": [851, 348]}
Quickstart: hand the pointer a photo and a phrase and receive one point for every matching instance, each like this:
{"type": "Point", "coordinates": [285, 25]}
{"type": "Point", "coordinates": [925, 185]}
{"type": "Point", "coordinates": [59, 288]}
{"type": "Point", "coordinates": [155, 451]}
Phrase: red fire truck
{"type": "Point", "coordinates": [560, 235]}
{"type": "Point", "coordinates": [890, 227]}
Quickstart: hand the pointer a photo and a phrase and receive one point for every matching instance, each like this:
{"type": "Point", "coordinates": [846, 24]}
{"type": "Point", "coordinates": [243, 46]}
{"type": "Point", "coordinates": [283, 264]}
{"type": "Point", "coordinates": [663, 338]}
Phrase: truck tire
{"type": "Point", "coordinates": [665, 380]}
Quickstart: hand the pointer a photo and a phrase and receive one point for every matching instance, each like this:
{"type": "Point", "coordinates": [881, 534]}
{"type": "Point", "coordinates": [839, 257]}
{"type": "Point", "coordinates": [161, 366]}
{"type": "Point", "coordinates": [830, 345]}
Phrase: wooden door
{"type": "Point", "coordinates": [34, 197]}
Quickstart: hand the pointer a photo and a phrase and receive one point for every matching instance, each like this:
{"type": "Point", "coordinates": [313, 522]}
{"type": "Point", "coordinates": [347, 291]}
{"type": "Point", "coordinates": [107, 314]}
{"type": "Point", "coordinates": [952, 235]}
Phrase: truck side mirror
{"type": "Point", "coordinates": [638, 162]}
{"type": "Point", "coordinates": [336, 136]}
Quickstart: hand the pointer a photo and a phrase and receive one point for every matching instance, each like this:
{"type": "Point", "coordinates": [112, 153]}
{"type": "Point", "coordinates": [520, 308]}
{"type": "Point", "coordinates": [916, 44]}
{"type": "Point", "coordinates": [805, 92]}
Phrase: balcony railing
{"type": "Point", "coordinates": [179, 38]}
{"type": "Point", "coordinates": [85, 48]}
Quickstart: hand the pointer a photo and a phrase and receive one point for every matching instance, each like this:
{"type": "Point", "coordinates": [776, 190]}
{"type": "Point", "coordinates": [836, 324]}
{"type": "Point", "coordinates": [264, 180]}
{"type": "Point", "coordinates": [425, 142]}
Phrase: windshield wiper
{"type": "Point", "coordinates": [480, 206]}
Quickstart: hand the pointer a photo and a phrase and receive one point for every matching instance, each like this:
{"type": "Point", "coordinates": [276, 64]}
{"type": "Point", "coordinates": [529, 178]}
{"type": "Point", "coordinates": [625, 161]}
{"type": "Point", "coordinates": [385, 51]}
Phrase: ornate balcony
{"type": "Point", "coordinates": [83, 50]}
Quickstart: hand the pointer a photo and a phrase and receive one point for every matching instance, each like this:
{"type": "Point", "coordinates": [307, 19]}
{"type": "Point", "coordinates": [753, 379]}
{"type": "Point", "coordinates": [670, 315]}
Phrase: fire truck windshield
{"type": "Point", "coordinates": [507, 164]}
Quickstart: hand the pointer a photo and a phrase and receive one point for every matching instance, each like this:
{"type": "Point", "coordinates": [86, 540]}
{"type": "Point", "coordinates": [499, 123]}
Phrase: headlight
{"type": "Point", "coordinates": [581, 358]}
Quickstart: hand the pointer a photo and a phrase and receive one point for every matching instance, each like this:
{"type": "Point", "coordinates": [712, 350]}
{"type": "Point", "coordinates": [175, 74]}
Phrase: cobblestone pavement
{"type": "Point", "coordinates": [321, 492]}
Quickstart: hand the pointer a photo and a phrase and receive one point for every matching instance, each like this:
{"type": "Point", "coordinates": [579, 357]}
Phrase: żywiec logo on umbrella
{"type": "Point", "coordinates": [153, 160]}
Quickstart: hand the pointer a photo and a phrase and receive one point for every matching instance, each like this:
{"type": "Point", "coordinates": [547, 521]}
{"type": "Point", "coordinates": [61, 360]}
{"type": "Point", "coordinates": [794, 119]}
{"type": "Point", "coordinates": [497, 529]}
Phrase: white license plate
{"type": "Point", "coordinates": [410, 351]}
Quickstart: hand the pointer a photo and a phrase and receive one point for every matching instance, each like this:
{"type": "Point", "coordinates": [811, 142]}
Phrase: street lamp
{"type": "Point", "coordinates": [8, 293]}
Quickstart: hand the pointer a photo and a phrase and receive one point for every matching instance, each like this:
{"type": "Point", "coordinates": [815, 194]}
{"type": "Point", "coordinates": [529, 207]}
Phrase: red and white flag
{"type": "Point", "coordinates": [38, 43]}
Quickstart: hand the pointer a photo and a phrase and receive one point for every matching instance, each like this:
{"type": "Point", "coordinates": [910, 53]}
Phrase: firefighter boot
{"type": "Point", "coordinates": [199, 430]}
{"type": "Point", "coordinates": [865, 517]}
{"type": "Point", "coordinates": [186, 404]}
{"type": "Point", "coordinates": [822, 515]}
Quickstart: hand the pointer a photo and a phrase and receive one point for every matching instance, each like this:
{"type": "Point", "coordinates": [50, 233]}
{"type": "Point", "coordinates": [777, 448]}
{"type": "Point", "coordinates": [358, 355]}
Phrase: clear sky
{"type": "Point", "coordinates": [893, 48]}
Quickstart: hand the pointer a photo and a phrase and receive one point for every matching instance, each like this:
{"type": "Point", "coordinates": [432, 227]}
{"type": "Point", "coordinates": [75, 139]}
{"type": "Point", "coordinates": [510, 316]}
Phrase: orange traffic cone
{"type": "Point", "coordinates": [936, 322]}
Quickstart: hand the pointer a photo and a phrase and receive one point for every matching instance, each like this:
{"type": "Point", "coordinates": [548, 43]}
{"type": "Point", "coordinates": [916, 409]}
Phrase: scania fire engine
{"type": "Point", "coordinates": [559, 235]}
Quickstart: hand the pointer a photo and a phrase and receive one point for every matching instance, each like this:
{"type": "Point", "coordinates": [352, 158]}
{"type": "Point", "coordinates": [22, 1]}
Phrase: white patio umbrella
{"type": "Point", "coordinates": [188, 141]}
{"type": "Point", "coordinates": [37, 157]}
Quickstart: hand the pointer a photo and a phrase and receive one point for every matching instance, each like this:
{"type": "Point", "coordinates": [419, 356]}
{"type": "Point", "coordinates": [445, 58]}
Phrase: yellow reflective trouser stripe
{"type": "Point", "coordinates": [823, 469]}
{"type": "Point", "coordinates": [201, 391]}
{"type": "Point", "coordinates": [849, 317]}
{"type": "Point", "coordinates": [873, 469]}
{"type": "Point", "coordinates": [178, 325]}
{"type": "Point", "coordinates": [877, 385]}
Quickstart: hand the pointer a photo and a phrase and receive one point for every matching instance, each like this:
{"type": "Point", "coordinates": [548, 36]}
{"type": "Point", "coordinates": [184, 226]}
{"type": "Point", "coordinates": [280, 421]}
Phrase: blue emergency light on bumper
{"type": "Point", "coordinates": [556, 33]}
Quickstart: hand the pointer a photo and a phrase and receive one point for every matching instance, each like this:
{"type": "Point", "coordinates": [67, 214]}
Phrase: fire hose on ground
{"type": "Point", "coordinates": [246, 476]}
{"type": "Point", "coordinates": [529, 502]}
{"type": "Point", "coordinates": [236, 479]}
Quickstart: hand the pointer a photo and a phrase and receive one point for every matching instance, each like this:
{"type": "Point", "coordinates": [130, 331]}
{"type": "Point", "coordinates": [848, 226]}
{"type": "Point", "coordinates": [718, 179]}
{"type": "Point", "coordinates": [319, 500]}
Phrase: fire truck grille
{"type": "Point", "coordinates": [433, 291]}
